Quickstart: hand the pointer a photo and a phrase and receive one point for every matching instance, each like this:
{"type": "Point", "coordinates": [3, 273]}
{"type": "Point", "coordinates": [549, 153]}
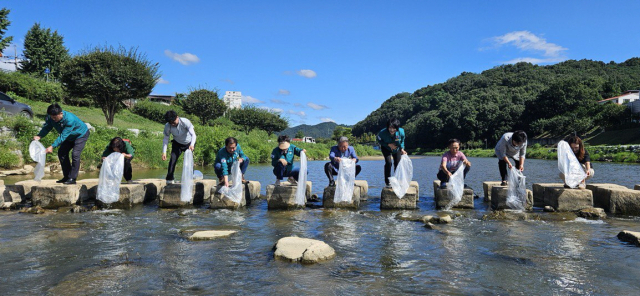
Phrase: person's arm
{"type": "Point", "coordinates": [501, 149]}
{"type": "Point", "coordinates": [193, 136]}
{"type": "Point", "coordinates": [297, 151]}
{"type": "Point", "coordinates": [332, 154]}
{"type": "Point", "coordinates": [63, 136]}
{"type": "Point", "coordinates": [443, 164]}
{"type": "Point", "coordinates": [401, 131]}
{"type": "Point", "coordinates": [355, 156]}
{"type": "Point", "coordinates": [165, 140]}
{"type": "Point", "coordinates": [275, 157]}
{"type": "Point", "coordinates": [521, 168]}
{"type": "Point", "coordinates": [46, 128]}
{"type": "Point", "coordinates": [465, 160]}
{"type": "Point", "coordinates": [523, 150]}
{"type": "Point", "coordinates": [383, 144]}
{"type": "Point", "coordinates": [129, 149]}
{"type": "Point", "coordinates": [106, 153]}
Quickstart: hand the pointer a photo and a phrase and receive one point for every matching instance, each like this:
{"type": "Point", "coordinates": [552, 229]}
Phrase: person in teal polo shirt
{"type": "Point", "coordinates": [282, 160]}
{"type": "Point", "coordinates": [226, 157]}
{"type": "Point", "coordinates": [73, 135]}
{"type": "Point", "coordinates": [391, 140]}
{"type": "Point", "coordinates": [123, 146]}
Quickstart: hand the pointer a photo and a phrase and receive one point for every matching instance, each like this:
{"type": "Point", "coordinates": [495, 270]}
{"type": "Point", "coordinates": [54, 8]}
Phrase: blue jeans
{"type": "Point", "coordinates": [280, 171]}
{"type": "Point", "coordinates": [243, 168]}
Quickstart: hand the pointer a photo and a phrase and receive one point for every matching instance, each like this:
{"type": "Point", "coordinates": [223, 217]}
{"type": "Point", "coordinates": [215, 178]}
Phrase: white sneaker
{"type": "Point", "coordinates": [278, 182]}
{"type": "Point", "coordinates": [170, 182]}
{"type": "Point", "coordinates": [292, 181]}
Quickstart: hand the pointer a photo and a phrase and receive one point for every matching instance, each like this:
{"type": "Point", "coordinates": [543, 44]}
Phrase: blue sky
{"type": "Point", "coordinates": [336, 61]}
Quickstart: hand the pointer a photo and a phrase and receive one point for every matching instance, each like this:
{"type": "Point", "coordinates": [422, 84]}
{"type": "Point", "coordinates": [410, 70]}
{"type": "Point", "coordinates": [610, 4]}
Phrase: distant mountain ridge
{"type": "Point", "coordinates": [321, 130]}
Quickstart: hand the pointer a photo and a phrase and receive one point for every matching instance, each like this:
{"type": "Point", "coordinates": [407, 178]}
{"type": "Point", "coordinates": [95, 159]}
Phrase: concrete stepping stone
{"type": "Point", "coordinates": [442, 199]}
{"type": "Point", "coordinates": [568, 200]}
{"type": "Point", "coordinates": [602, 194]}
{"type": "Point", "coordinates": [210, 234]}
{"type": "Point", "coordinates": [221, 201]}
{"type": "Point", "coordinates": [487, 187]}
{"type": "Point", "coordinates": [55, 196]}
{"type": "Point", "coordinates": [624, 202]}
{"type": "Point", "coordinates": [389, 200]}
{"type": "Point", "coordinates": [364, 189]}
{"type": "Point", "coordinates": [284, 197]}
{"type": "Point", "coordinates": [271, 187]}
{"type": "Point", "coordinates": [538, 192]}
{"type": "Point", "coordinates": [130, 195]}
{"type": "Point", "coordinates": [329, 195]}
{"type": "Point", "coordinates": [296, 249]}
{"type": "Point", "coordinates": [499, 198]}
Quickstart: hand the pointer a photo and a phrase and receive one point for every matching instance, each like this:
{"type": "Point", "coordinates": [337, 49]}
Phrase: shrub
{"type": "Point", "coordinates": [30, 87]}
{"type": "Point", "coordinates": [156, 111]}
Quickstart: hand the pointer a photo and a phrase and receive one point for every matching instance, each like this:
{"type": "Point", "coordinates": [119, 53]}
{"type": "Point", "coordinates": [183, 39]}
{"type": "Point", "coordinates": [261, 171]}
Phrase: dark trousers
{"type": "Point", "coordinates": [176, 151]}
{"type": "Point", "coordinates": [444, 177]}
{"type": "Point", "coordinates": [243, 168]}
{"type": "Point", "coordinates": [331, 171]}
{"type": "Point", "coordinates": [128, 172]}
{"type": "Point", "coordinates": [387, 163]}
{"type": "Point", "coordinates": [502, 166]}
{"type": "Point", "coordinates": [70, 168]}
{"type": "Point", "coordinates": [280, 171]}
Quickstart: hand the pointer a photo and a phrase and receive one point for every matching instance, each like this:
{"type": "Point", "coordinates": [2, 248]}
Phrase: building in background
{"type": "Point", "coordinates": [233, 99]}
{"type": "Point", "coordinates": [627, 97]}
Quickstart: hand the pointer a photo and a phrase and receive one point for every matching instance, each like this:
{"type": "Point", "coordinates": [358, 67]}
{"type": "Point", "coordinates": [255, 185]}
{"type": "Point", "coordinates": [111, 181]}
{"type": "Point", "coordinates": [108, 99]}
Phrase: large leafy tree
{"type": "Point", "coordinates": [4, 23]}
{"type": "Point", "coordinates": [108, 76]}
{"type": "Point", "coordinates": [205, 104]}
{"type": "Point", "coordinates": [251, 117]}
{"type": "Point", "coordinates": [43, 49]}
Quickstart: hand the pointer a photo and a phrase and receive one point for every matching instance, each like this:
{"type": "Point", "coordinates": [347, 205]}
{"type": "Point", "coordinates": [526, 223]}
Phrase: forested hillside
{"type": "Point", "coordinates": [321, 130]}
{"type": "Point", "coordinates": [554, 100]}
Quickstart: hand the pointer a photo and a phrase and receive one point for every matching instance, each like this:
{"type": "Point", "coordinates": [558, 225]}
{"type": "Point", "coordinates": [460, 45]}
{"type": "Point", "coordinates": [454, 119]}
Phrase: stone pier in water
{"type": "Point", "coordinates": [329, 195]}
{"type": "Point", "coordinates": [250, 191]}
{"type": "Point", "coordinates": [442, 199]}
{"type": "Point", "coordinates": [283, 197]}
{"type": "Point", "coordinates": [499, 198]}
{"type": "Point", "coordinates": [562, 199]}
{"type": "Point", "coordinates": [389, 200]}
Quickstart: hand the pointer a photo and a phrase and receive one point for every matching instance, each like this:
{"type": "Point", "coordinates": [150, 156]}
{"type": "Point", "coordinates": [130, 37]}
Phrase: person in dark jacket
{"type": "Point", "coordinates": [282, 160]}
{"type": "Point", "coordinates": [391, 140]}
{"type": "Point", "coordinates": [583, 157]}
{"type": "Point", "coordinates": [226, 157]}
{"type": "Point", "coordinates": [73, 136]}
{"type": "Point", "coordinates": [120, 145]}
{"type": "Point", "coordinates": [337, 153]}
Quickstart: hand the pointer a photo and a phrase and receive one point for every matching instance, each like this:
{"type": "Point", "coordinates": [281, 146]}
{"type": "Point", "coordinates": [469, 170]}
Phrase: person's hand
{"type": "Point", "coordinates": [509, 164]}
{"type": "Point", "coordinates": [49, 149]}
{"type": "Point", "coordinates": [403, 152]}
{"type": "Point", "coordinates": [103, 158]}
{"type": "Point", "coordinates": [127, 156]}
{"type": "Point", "coordinates": [283, 161]}
{"type": "Point", "coordinates": [467, 163]}
{"type": "Point", "coordinates": [337, 159]}
{"type": "Point", "coordinates": [304, 150]}
{"type": "Point", "coordinates": [449, 173]}
{"type": "Point", "coordinates": [36, 138]}
{"type": "Point", "coordinates": [588, 173]}
{"type": "Point", "coordinates": [164, 156]}
{"type": "Point", "coordinates": [240, 160]}
{"type": "Point", "coordinates": [225, 183]}
{"type": "Point", "coordinates": [393, 146]}
{"type": "Point", "coordinates": [191, 148]}
{"type": "Point", "coordinates": [521, 168]}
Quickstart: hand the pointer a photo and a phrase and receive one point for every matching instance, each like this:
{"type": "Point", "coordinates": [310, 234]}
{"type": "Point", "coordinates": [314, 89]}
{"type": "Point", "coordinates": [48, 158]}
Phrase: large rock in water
{"type": "Point", "coordinates": [602, 194]}
{"type": "Point", "coordinates": [296, 249]}
{"type": "Point", "coordinates": [170, 197]}
{"type": "Point", "coordinates": [625, 202]}
{"type": "Point", "coordinates": [221, 201]}
{"type": "Point", "coordinates": [415, 185]}
{"type": "Point", "coordinates": [252, 190]}
{"type": "Point", "coordinates": [630, 237]}
{"type": "Point", "coordinates": [152, 188]}
{"type": "Point", "coordinates": [538, 192]}
{"type": "Point", "coordinates": [24, 187]}
{"type": "Point", "coordinates": [487, 187]}
{"type": "Point", "coordinates": [130, 195]}
{"type": "Point", "coordinates": [271, 187]}
{"type": "Point", "coordinates": [329, 196]}
{"type": "Point", "coordinates": [55, 196]}
{"type": "Point", "coordinates": [203, 190]}
{"type": "Point", "coordinates": [442, 199]}
{"type": "Point", "coordinates": [9, 199]}
{"type": "Point", "coordinates": [364, 189]}
{"type": "Point", "coordinates": [88, 189]}
{"type": "Point", "coordinates": [283, 197]}
{"type": "Point", "coordinates": [499, 198]}
{"type": "Point", "coordinates": [389, 200]}
{"type": "Point", "coordinates": [637, 187]}
{"type": "Point", "coordinates": [568, 200]}
{"type": "Point", "coordinates": [211, 234]}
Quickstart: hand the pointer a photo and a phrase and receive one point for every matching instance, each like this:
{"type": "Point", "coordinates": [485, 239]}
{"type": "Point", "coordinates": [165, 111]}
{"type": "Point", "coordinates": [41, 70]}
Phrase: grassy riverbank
{"type": "Point", "coordinates": [257, 144]}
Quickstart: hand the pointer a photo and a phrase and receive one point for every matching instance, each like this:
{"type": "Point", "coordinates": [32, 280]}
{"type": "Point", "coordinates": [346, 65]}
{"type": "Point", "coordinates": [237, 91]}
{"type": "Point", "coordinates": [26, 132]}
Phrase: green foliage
{"type": "Point", "coordinates": [8, 159]}
{"type": "Point", "coordinates": [250, 117]}
{"type": "Point", "coordinates": [43, 49]}
{"type": "Point", "coordinates": [341, 131]}
{"type": "Point", "coordinates": [156, 111]}
{"type": "Point", "coordinates": [299, 134]}
{"type": "Point", "coordinates": [557, 99]}
{"type": "Point", "coordinates": [321, 130]}
{"type": "Point", "coordinates": [109, 76]}
{"type": "Point", "coordinates": [4, 23]}
{"type": "Point", "coordinates": [205, 104]}
{"type": "Point", "coordinates": [30, 87]}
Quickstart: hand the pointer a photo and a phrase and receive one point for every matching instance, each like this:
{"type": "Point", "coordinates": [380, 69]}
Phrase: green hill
{"type": "Point", "coordinates": [321, 130]}
{"type": "Point", "coordinates": [555, 100]}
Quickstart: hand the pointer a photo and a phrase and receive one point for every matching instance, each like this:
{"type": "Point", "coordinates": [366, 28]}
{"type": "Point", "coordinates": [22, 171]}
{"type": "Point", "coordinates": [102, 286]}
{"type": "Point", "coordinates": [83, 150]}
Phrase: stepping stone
{"type": "Point", "coordinates": [55, 196]}
{"type": "Point", "coordinates": [602, 194]}
{"type": "Point", "coordinates": [630, 237]}
{"type": "Point", "coordinates": [415, 185]}
{"type": "Point", "coordinates": [252, 190]}
{"type": "Point", "coordinates": [152, 188]}
{"type": "Point", "coordinates": [568, 200]}
{"type": "Point", "coordinates": [624, 202]}
{"type": "Point", "coordinates": [329, 195]}
{"type": "Point", "coordinates": [637, 187]}
{"type": "Point", "coordinates": [296, 249]}
{"type": "Point", "coordinates": [442, 199]}
{"type": "Point", "coordinates": [389, 199]}
{"type": "Point", "coordinates": [487, 187]}
{"type": "Point", "coordinates": [499, 198]}
{"type": "Point", "coordinates": [210, 234]}
{"type": "Point", "coordinates": [364, 189]}
{"type": "Point", "coordinates": [538, 192]}
{"type": "Point", "coordinates": [202, 190]}
{"type": "Point", "coordinates": [170, 197]}
{"type": "Point", "coordinates": [88, 189]}
{"type": "Point", "coordinates": [130, 195]}
{"type": "Point", "coordinates": [9, 199]}
{"type": "Point", "coordinates": [24, 187]}
{"type": "Point", "coordinates": [221, 201]}
{"type": "Point", "coordinates": [284, 197]}
{"type": "Point", "coordinates": [271, 187]}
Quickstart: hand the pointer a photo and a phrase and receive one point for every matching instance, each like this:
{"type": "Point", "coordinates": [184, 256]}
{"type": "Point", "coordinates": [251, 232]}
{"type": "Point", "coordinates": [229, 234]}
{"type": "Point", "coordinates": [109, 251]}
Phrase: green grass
{"type": "Point", "coordinates": [617, 137]}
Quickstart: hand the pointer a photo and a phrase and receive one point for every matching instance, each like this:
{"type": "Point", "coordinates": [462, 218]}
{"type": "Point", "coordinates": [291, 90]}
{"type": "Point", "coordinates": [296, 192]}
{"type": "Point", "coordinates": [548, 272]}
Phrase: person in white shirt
{"type": "Point", "coordinates": [184, 137]}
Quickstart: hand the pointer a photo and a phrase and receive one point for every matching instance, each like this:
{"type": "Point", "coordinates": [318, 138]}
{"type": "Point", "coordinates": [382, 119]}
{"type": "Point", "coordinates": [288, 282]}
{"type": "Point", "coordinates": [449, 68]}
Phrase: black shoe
{"type": "Point", "coordinates": [332, 183]}
{"type": "Point", "coordinates": [70, 181]}
{"type": "Point", "coordinates": [62, 180]}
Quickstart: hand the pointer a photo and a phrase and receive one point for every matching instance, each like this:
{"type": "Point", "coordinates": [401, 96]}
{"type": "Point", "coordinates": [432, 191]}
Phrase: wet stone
{"type": "Point", "coordinates": [442, 199]}
{"type": "Point", "coordinates": [630, 237]}
{"type": "Point", "coordinates": [284, 197]}
{"type": "Point", "coordinates": [329, 195]}
{"type": "Point", "coordinates": [592, 213]}
{"type": "Point", "coordinates": [55, 196]}
{"type": "Point", "coordinates": [549, 209]}
{"type": "Point", "coordinates": [221, 201]}
{"type": "Point", "coordinates": [33, 210]}
{"type": "Point", "coordinates": [27, 185]}
{"type": "Point", "coordinates": [389, 200]}
{"type": "Point", "coordinates": [271, 187]}
{"type": "Point", "coordinates": [88, 189]}
{"type": "Point", "coordinates": [602, 194]}
{"type": "Point", "coordinates": [538, 192]}
{"type": "Point", "coordinates": [170, 197]}
{"type": "Point", "coordinates": [637, 187]}
{"type": "Point", "coordinates": [625, 202]}
{"type": "Point", "coordinates": [252, 190]}
{"type": "Point", "coordinates": [152, 188]}
{"type": "Point", "coordinates": [509, 215]}
{"type": "Point", "coordinates": [210, 234]}
{"type": "Point", "coordinates": [487, 187]}
{"type": "Point", "coordinates": [568, 200]}
{"type": "Point", "coordinates": [296, 249]}
{"type": "Point", "coordinates": [130, 195]}
{"type": "Point", "coordinates": [364, 189]}
{"type": "Point", "coordinates": [499, 198]}
{"type": "Point", "coordinates": [202, 190]}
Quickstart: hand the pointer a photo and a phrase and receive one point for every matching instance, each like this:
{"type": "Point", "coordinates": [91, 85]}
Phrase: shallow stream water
{"type": "Point", "coordinates": [144, 251]}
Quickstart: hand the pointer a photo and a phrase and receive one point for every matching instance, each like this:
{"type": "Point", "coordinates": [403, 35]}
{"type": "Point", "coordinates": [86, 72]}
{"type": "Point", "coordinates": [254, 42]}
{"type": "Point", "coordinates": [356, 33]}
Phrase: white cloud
{"type": "Point", "coordinates": [228, 81]}
{"type": "Point", "coordinates": [276, 101]}
{"type": "Point", "coordinates": [271, 109]}
{"type": "Point", "coordinates": [284, 92]}
{"type": "Point", "coordinates": [298, 105]}
{"type": "Point", "coordinates": [307, 73]}
{"type": "Point", "coordinates": [299, 113]}
{"type": "Point", "coordinates": [162, 81]}
{"type": "Point", "coordinates": [250, 100]}
{"type": "Point", "coordinates": [529, 42]}
{"type": "Point", "coordinates": [184, 58]}
{"type": "Point", "coordinates": [326, 119]}
{"type": "Point", "coordinates": [316, 106]}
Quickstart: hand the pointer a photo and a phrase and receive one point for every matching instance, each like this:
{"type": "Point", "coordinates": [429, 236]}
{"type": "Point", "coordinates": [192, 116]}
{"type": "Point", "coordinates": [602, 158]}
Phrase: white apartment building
{"type": "Point", "coordinates": [233, 99]}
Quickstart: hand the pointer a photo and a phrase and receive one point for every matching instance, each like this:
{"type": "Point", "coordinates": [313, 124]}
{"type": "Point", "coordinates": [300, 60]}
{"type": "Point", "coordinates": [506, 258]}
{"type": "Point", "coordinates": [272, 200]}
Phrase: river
{"type": "Point", "coordinates": [144, 251]}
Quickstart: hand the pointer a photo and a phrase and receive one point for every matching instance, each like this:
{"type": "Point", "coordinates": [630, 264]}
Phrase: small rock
{"type": "Point", "coordinates": [630, 237]}
{"type": "Point", "coordinates": [314, 198]}
{"type": "Point", "coordinates": [592, 213]}
{"type": "Point", "coordinates": [414, 218]}
{"type": "Point", "coordinates": [445, 219]}
{"type": "Point", "coordinates": [28, 168]}
{"type": "Point", "coordinates": [430, 225]}
{"type": "Point", "coordinates": [211, 234]}
{"type": "Point", "coordinates": [296, 249]}
{"type": "Point", "coordinates": [8, 205]}
{"type": "Point", "coordinates": [33, 210]}
{"type": "Point", "coordinates": [78, 209]}
{"type": "Point", "coordinates": [549, 209]}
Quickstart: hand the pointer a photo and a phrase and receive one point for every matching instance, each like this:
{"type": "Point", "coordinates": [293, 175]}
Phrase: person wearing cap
{"type": "Point", "coordinates": [226, 157]}
{"type": "Point", "coordinates": [282, 160]}
{"type": "Point", "coordinates": [391, 140]}
{"type": "Point", "coordinates": [184, 137]}
{"type": "Point", "coordinates": [73, 136]}
{"type": "Point", "coordinates": [511, 146]}
{"type": "Point", "coordinates": [341, 151]}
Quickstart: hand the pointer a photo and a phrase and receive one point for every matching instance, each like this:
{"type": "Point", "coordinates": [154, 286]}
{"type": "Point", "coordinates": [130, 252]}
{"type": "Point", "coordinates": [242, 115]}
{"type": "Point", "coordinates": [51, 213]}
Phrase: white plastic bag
{"type": "Point", "coordinates": [186, 188]}
{"type": "Point", "coordinates": [517, 190]}
{"type": "Point", "coordinates": [346, 180]}
{"type": "Point", "coordinates": [455, 187]}
{"type": "Point", "coordinates": [301, 191]}
{"type": "Point", "coordinates": [569, 165]}
{"type": "Point", "coordinates": [234, 193]}
{"type": "Point", "coordinates": [197, 175]}
{"type": "Point", "coordinates": [38, 154]}
{"type": "Point", "coordinates": [110, 177]}
{"type": "Point", "coordinates": [401, 179]}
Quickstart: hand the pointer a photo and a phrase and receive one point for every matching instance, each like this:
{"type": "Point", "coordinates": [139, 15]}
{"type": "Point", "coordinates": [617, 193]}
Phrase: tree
{"type": "Point", "coordinates": [43, 49]}
{"type": "Point", "coordinates": [203, 103]}
{"type": "Point", "coordinates": [299, 134]}
{"type": "Point", "coordinates": [4, 23]}
{"type": "Point", "coordinates": [251, 117]}
{"type": "Point", "coordinates": [341, 131]}
{"type": "Point", "coordinates": [108, 76]}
